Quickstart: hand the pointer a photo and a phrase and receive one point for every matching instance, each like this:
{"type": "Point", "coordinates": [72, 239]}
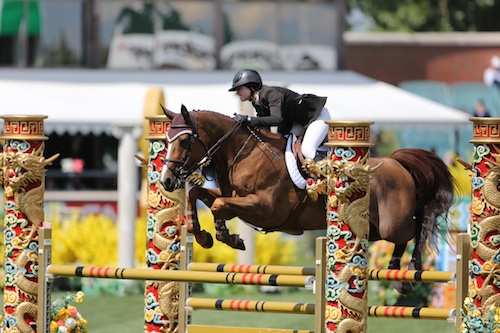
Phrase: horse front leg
{"type": "Point", "coordinates": [208, 196]}
{"type": "Point", "coordinates": [193, 225]}
{"type": "Point", "coordinates": [247, 208]}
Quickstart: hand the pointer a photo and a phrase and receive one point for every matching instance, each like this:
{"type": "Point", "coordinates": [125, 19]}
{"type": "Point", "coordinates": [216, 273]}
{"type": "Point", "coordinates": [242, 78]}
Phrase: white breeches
{"type": "Point", "coordinates": [314, 134]}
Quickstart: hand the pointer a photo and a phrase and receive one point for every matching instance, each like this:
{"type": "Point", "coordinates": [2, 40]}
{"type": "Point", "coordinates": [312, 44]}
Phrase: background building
{"type": "Point", "coordinates": [194, 35]}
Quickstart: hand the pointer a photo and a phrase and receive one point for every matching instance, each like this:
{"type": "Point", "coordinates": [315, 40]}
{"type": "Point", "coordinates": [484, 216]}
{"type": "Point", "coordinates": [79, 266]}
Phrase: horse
{"type": "Point", "coordinates": [410, 192]}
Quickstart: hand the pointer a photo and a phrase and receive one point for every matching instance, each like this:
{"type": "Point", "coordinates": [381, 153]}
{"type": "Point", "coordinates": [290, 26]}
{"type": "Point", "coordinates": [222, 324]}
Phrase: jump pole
{"type": "Point", "coordinates": [346, 282]}
{"type": "Point", "coordinates": [484, 223]}
{"type": "Point", "coordinates": [165, 216]}
{"type": "Point", "coordinates": [23, 179]}
{"type": "Point", "coordinates": [373, 274]}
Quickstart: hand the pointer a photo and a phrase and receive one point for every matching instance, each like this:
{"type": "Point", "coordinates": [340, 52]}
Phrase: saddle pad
{"type": "Point", "coordinates": [291, 164]}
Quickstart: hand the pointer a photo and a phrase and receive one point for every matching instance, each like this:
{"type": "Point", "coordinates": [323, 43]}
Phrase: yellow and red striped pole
{"type": "Point", "coordinates": [165, 216]}
{"type": "Point", "coordinates": [348, 201]}
{"type": "Point", "coordinates": [23, 179]}
{"type": "Point", "coordinates": [373, 274]}
{"type": "Point", "coordinates": [181, 276]}
{"type": "Point", "coordinates": [411, 312]}
{"type": "Point", "coordinates": [410, 275]}
{"type": "Point", "coordinates": [484, 264]}
{"type": "Point", "coordinates": [249, 305]}
{"type": "Point", "coordinates": [243, 268]}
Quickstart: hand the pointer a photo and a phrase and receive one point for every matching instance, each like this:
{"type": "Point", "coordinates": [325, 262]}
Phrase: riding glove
{"type": "Point", "coordinates": [242, 119]}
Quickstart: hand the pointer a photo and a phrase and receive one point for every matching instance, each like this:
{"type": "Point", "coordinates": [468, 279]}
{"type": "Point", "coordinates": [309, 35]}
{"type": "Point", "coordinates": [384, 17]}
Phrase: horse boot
{"type": "Point", "coordinates": [222, 235]}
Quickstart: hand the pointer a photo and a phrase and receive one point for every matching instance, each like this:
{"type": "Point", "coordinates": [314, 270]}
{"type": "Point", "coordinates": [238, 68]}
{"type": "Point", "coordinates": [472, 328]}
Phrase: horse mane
{"type": "Point", "coordinates": [211, 112]}
{"type": "Point", "coordinates": [265, 133]}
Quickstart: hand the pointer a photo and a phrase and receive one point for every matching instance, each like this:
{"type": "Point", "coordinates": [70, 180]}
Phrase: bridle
{"type": "Point", "coordinates": [184, 171]}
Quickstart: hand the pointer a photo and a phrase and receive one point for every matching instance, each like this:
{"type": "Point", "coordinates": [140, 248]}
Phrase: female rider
{"type": "Point", "coordinates": [276, 106]}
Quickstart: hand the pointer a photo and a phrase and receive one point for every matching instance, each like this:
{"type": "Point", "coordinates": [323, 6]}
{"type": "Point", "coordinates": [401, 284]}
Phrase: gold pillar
{"type": "Point", "coordinates": [484, 264]}
{"type": "Point", "coordinates": [23, 179]}
{"type": "Point", "coordinates": [348, 201]}
{"type": "Point", "coordinates": [165, 216]}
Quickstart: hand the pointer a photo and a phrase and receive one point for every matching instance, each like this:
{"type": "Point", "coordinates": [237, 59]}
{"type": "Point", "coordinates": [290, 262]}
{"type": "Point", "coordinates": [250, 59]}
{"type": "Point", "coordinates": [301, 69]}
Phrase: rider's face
{"type": "Point", "coordinates": [244, 93]}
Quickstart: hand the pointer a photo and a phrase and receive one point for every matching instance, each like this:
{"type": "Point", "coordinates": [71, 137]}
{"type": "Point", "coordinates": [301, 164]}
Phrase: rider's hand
{"type": "Point", "coordinates": [242, 119]}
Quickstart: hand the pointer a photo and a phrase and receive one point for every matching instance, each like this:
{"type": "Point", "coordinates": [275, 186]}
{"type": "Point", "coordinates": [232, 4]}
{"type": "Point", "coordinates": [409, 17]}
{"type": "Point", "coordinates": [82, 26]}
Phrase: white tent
{"type": "Point", "coordinates": [76, 100]}
{"type": "Point", "coordinates": [382, 103]}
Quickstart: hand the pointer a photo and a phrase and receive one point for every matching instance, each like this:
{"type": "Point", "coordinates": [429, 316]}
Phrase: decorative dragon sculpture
{"type": "Point", "coordinates": [23, 176]}
{"type": "Point", "coordinates": [165, 217]}
{"type": "Point", "coordinates": [348, 179]}
{"type": "Point", "coordinates": [485, 235]}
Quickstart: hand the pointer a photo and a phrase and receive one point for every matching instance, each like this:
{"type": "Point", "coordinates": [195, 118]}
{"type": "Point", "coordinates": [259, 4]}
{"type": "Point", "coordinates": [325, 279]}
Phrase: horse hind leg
{"type": "Point", "coordinates": [222, 234]}
{"type": "Point", "coordinates": [402, 287]}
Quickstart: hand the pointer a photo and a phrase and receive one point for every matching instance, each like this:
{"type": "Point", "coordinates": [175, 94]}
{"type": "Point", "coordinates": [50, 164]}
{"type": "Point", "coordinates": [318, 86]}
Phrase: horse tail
{"type": "Point", "coordinates": [435, 192]}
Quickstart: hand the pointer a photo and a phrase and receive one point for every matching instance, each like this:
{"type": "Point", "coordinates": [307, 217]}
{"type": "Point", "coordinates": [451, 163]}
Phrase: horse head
{"type": "Point", "coordinates": [185, 149]}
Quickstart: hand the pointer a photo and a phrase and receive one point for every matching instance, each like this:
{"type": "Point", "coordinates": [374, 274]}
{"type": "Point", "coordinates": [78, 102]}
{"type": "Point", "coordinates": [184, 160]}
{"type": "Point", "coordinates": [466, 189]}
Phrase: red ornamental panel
{"type": "Point", "coordinates": [165, 215]}
{"type": "Point", "coordinates": [349, 133]}
{"type": "Point", "coordinates": [485, 131]}
{"type": "Point", "coordinates": [158, 126]}
{"type": "Point", "coordinates": [30, 127]}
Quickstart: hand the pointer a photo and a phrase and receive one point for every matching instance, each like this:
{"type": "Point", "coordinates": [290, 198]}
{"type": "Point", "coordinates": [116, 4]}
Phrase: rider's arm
{"type": "Point", "coordinates": [273, 101]}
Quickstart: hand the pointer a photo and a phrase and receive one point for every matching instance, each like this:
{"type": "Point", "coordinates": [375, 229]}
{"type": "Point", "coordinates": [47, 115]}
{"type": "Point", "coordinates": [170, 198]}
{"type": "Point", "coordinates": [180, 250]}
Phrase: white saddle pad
{"type": "Point", "coordinates": [291, 164]}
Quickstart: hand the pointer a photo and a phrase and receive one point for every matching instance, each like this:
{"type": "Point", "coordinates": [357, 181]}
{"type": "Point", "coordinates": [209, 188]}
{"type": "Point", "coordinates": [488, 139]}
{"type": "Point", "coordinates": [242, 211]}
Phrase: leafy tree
{"type": "Point", "coordinates": [424, 15]}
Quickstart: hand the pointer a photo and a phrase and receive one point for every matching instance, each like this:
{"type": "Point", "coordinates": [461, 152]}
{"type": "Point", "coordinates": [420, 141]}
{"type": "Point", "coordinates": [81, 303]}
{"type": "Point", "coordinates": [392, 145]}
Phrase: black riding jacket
{"type": "Point", "coordinates": [277, 106]}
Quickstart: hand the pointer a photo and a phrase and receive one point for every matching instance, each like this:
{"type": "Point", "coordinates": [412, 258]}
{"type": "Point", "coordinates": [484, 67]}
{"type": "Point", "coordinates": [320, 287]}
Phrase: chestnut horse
{"type": "Point", "coordinates": [409, 193]}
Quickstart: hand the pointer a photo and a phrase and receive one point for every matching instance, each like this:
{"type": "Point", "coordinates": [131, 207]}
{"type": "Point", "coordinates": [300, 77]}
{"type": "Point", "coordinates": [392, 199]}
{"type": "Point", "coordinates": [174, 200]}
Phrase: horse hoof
{"type": "Point", "coordinates": [208, 243]}
{"type": "Point", "coordinates": [240, 245]}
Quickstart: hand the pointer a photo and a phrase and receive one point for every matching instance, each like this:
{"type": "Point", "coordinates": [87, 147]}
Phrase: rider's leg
{"type": "Point", "coordinates": [315, 134]}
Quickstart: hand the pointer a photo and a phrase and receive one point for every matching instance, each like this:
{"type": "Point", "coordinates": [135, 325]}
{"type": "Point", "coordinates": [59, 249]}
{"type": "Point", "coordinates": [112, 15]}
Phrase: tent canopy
{"type": "Point", "coordinates": [88, 101]}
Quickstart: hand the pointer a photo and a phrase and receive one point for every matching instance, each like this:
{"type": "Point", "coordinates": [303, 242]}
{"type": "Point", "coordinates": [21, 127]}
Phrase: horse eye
{"type": "Point", "coordinates": [184, 143]}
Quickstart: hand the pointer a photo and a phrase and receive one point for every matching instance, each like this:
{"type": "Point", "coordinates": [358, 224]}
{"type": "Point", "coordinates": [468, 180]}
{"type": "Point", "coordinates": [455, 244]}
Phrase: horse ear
{"type": "Point", "coordinates": [168, 113]}
{"type": "Point", "coordinates": [185, 115]}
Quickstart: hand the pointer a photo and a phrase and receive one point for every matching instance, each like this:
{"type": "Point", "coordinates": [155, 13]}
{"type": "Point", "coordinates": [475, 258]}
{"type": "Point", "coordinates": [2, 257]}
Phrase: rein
{"type": "Point", "coordinates": [183, 171]}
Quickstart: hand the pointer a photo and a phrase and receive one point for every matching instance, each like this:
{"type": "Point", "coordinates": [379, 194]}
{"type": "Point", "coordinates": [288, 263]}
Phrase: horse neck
{"type": "Point", "coordinates": [212, 129]}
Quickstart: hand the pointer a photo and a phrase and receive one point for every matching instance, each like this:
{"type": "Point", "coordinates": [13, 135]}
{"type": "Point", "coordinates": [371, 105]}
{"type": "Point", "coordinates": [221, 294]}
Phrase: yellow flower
{"type": "Point", "coordinates": [79, 297]}
{"type": "Point", "coordinates": [61, 313]}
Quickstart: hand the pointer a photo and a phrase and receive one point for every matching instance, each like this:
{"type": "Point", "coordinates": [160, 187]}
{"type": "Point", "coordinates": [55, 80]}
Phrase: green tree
{"type": "Point", "coordinates": [424, 15]}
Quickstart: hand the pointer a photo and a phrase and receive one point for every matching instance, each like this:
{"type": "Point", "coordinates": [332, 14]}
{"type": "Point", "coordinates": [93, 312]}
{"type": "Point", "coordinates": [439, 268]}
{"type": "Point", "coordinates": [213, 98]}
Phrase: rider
{"type": "Point", "coordinates": [290, 111]}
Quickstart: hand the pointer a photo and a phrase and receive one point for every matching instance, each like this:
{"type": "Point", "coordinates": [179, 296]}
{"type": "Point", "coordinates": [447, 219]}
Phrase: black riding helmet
{"type": "Point", "coordinates": [247, 77]}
